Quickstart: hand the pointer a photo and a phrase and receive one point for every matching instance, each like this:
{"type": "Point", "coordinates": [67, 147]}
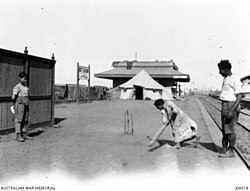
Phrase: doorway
{"type": "Point", "coordinates": [138, 92]}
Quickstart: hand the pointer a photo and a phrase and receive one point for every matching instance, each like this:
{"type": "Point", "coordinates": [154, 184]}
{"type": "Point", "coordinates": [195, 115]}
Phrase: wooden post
{"type": "Point", "coordinates": [89, 85]}
{"type": "Point", "coordinates": [53, 92]}
{"type": "Point", "coordinates": [26, 50]}
{"type": "Point", "coordinates": [77, 83]}
{"type": "Point", "coordinates": [26, 67]}
{"type": "Point", "coordinates": [132, 125]}
{"type": "Point", "coordinates": [125, 123]}
{"type": "Point", "coordinates": [128, 123]}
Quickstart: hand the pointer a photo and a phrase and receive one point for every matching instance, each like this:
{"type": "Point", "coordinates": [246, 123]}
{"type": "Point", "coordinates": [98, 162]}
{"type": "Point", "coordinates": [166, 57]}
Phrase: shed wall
{"type": "Point", "coordinates": [41, 84]}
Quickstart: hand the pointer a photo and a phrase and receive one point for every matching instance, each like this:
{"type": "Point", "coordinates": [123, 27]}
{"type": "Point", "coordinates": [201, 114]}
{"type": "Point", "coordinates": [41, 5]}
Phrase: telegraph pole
{"type": "Point", "coordinates": [77, 83]}
{"type": "Point", "coordinates": [89, 85]}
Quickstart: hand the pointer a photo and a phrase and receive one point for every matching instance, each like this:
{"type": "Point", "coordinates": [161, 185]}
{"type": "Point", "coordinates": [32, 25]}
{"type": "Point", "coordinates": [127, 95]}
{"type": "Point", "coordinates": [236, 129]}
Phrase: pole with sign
{"type": "Point", "coordinates": [83, 73]}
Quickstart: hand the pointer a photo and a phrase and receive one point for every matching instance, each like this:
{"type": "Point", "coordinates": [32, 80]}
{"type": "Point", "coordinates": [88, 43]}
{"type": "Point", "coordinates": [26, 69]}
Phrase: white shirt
{"type": "Point", "coordinates": [231, 86]}
{"type": "Point", "coordinates": [21, 90]}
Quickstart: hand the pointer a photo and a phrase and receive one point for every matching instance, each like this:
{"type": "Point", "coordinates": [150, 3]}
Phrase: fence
{"type": "Point", "coordinates": [67, 92]}
{"type": "Point", "coordinates": [41, 85]}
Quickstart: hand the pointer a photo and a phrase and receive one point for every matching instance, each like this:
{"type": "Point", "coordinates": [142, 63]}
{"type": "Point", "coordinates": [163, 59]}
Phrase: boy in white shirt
{"type": "Point", "coordinates": [21, 109]}
{"type": "Point", "coordinates": [230, 98]}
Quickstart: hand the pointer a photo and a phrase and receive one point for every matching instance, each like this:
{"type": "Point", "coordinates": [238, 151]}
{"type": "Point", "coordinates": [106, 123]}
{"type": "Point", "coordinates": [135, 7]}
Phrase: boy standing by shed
{"type": "Point", "coordinates": [21, 107]}
{"type": "Point", "coordinates": [230, 99]}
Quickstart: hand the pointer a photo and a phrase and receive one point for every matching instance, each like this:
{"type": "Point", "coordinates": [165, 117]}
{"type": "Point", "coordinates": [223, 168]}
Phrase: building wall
{"type": "Point", "coordinates": [163, 81]}
{"type": "Point", "coordinates": [119, 81]}
{"type": "Point", "coordinates": [40, 95]}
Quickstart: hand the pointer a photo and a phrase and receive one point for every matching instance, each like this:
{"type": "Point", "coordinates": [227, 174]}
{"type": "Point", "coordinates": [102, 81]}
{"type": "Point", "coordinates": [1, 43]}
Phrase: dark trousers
{"type": "Point", "coordinates": [228, 125]}
{"type": "Point", "coordinates": [21, 117]}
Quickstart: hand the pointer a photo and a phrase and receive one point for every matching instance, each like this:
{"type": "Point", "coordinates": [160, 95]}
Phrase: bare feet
{"type": "Point", "coordinates": [177, 146]}
{"type": "Point", "coordinates": [150, 144]}
{"type": "Point", "coordinates": [197, 142]}
{"type": "Point", "coordinates": [228, 154]}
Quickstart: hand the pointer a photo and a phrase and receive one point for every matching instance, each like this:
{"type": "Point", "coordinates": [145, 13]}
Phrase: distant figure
{"type": "Point", "coordinates": [230, 98]}
{"type": "Point", "coordinates": [183, 127]}
{"type": "Point", "coordinates": [179, 89]}
{"type": "Point", "coordinates": [21, 108]}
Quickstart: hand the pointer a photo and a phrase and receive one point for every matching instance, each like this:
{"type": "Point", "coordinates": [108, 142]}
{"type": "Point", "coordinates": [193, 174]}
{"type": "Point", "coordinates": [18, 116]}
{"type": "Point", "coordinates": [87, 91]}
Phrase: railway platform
{"type": "Point", "coordinates": [89, 148]}
{"type": "Point", "coordinates": [229, 164]}
{"type": "Point", "coordinates": [211, 137]}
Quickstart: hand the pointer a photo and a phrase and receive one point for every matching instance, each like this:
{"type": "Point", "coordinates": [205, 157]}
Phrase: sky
{"type": "Point", "coordinates": [195, 34]}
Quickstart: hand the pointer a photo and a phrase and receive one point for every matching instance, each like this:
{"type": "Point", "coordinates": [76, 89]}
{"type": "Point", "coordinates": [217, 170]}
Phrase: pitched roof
{"type": "Point", "coordinates": [245, 78]}
{"type": "Point", "coordinates": [156, 69]}
{"type": "Point", "coordinates": [136, 63]}
{"type": "Point", "coordinates": [144, 80]}
{"type": "Point", "coordinates": [153, 72]}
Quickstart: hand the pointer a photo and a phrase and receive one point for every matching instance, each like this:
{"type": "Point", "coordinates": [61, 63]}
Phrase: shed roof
{"type": "Point", "coordinates": [6, 52]}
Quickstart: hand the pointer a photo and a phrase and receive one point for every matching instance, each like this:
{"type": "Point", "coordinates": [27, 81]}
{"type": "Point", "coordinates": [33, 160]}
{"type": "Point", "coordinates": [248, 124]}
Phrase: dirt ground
{"type": "Point", "coordinates": [89, 142]}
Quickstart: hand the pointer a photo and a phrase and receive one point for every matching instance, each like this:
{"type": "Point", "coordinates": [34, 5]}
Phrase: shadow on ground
{"type": "Point", "coordinates": [35, 132]}
{"type": "Point", "coordinates": [209, 146]}
{"type": "Point", "coordinates": [58, 120]}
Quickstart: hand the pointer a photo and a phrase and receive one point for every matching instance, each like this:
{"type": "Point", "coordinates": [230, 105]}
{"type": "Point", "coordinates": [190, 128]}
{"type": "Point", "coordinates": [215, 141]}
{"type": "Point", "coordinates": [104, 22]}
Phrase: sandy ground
{"type": "Point", "coordinates": [90, 143]}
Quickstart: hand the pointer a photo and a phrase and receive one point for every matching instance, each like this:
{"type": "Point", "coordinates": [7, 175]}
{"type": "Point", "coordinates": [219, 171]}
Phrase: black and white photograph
{"type": "Point", "coordinates": [124, 95]}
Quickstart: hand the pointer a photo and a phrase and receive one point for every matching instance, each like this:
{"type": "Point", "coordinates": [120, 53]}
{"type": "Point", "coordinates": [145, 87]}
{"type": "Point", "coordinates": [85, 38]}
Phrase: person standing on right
{"type": "Point", "coordinates": [230, 97]}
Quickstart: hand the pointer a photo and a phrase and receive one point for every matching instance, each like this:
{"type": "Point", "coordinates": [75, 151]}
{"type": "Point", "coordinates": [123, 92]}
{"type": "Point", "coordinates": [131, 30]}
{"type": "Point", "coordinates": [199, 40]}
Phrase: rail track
{"type": "Point", "coordinates": [213, 107]}
{"type": "Point", "coordinates": [244, 117]}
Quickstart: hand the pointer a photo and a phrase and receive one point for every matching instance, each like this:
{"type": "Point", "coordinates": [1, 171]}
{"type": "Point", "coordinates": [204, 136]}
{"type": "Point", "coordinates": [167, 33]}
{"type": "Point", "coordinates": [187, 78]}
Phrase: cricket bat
{"type": "Point", "coordinates": [157, 134]}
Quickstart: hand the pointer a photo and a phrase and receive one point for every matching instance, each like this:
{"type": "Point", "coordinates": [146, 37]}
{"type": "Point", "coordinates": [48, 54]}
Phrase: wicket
{"type": "Point", "coordinates": [128, 123]}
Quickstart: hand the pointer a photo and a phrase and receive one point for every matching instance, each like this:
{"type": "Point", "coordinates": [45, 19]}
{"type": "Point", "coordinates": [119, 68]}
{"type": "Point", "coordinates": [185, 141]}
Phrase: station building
{"type": "Point", "coordinates": [165, 73]}
{"type": "Point", "coordinates": [246, 86]}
